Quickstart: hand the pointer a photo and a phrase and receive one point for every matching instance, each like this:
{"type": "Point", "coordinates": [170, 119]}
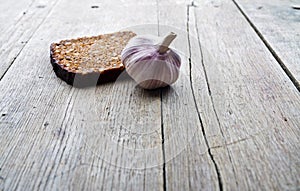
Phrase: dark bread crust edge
{"type": "Point", "coordinates": [83, 80]}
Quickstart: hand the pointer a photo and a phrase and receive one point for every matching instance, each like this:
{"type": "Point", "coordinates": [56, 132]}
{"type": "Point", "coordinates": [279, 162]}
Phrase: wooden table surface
{"type": "Point", "coordinates": [230, 122]}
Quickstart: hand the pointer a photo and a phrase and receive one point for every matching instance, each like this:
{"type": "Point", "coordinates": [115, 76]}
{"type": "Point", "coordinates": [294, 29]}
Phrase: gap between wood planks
{"type": "Point", "coordinates": [26, 41]}
{"type": "Point", "coordinates": [192, 5]}
{"type": "Point", "coordinates": [161, 116]}
{"type": "Point", "coordinates": [220, 184]}
{"type": "Point", "coordinates": [272, 51]}
{"type": "Point", "coordinates": [203, 131]}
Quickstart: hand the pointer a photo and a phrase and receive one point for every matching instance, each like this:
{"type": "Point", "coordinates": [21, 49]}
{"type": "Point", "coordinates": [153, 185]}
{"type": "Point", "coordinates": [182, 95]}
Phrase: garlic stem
{"type": "Point", "coordinates": [164, 46]}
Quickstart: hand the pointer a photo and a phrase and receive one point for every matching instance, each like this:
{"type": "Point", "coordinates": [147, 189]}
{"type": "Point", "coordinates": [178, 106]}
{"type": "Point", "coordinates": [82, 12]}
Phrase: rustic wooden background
{"type": "Point", "coordinates": [231, 121]}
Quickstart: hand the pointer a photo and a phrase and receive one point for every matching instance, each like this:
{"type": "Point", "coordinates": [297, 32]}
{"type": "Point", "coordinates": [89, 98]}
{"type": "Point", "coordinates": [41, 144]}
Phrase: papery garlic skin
{"type": "Point", "coordinates": [149, 68]}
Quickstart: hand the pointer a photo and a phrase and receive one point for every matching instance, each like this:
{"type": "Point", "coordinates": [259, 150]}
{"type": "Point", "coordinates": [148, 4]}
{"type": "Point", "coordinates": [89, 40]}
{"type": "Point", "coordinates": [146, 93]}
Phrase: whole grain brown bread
{"type": "Point", "coordinates": [89, 61]}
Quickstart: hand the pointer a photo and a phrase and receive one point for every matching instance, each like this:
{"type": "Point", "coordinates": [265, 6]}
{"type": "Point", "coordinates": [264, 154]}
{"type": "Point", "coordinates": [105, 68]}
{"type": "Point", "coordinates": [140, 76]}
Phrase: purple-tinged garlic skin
{"type": "Point", "coordinates": [147, 66]}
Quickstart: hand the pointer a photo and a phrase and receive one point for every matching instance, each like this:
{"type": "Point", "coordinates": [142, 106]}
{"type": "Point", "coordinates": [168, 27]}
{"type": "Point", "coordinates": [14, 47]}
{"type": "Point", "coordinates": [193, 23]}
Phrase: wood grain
{"type": "Point", "coordinates": [10, 12]}
{"type": "Point", "coordinates": [281, 33]}
{"type": "Point", "coordinates": [188, 163]}
{"type": "Point", "coordinates": [256, 105]}
{"type": "Point", "coordinates": [49, 130]}
{"type": "Point", "coordinates": [230, 122]}
{"type": "Point", "coordinates": [19, 21]}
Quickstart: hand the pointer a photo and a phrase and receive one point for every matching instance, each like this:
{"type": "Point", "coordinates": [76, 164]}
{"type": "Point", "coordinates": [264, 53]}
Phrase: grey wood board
{"type": "Point", "coordinates": [10, 12]}
{"type": "Point", "coordinates": [19, 21]}
{"type": "Point", "coordinates": [243, 130]}
{"type": "Point", "coordinates": [188, 163]}
{"type": "Point", "coordinates": [256, 105]}
{"type": "Point", "coordinates": [279, 24]}
{"type": "Point", "coordinates": [49, 129]}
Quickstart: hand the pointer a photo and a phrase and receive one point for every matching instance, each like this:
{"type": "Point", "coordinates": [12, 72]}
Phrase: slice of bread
{"type": "Point", "coordinates": [89, 61]}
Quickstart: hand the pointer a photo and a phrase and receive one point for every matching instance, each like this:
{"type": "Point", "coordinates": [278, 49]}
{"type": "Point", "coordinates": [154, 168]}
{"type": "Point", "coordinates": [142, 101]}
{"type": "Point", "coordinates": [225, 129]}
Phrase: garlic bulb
{"type": "Point", "coordinates": [150, 64]}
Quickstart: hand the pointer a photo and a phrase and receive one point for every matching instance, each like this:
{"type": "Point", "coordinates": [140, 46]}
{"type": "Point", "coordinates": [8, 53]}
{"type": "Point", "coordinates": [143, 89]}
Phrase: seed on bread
{"type": "Point", "coordinates": [87, 56]}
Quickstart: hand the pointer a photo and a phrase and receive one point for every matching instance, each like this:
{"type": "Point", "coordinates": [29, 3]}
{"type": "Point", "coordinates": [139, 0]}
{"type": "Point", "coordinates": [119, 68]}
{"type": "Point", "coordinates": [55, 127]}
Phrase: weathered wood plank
{"type": "Point", "coordinates": [194, 168]}
{"type": "Point", "coordinates": [11, 12]}
{"type": "Point", "coordinates": [57, 137]}
{"type": "Point", "coordinates": [53, 136]}
{"type": "Point", "coordinates": [278, 23]}
{"type": "Point", "coordinates": [256, 105]}
{"type": "Point", "coordinates": [19, 22]}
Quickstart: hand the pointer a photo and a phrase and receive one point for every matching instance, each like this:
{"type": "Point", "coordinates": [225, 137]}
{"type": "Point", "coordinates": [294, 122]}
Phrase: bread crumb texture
{"type": "Point", "coordinates": [91, 54]}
